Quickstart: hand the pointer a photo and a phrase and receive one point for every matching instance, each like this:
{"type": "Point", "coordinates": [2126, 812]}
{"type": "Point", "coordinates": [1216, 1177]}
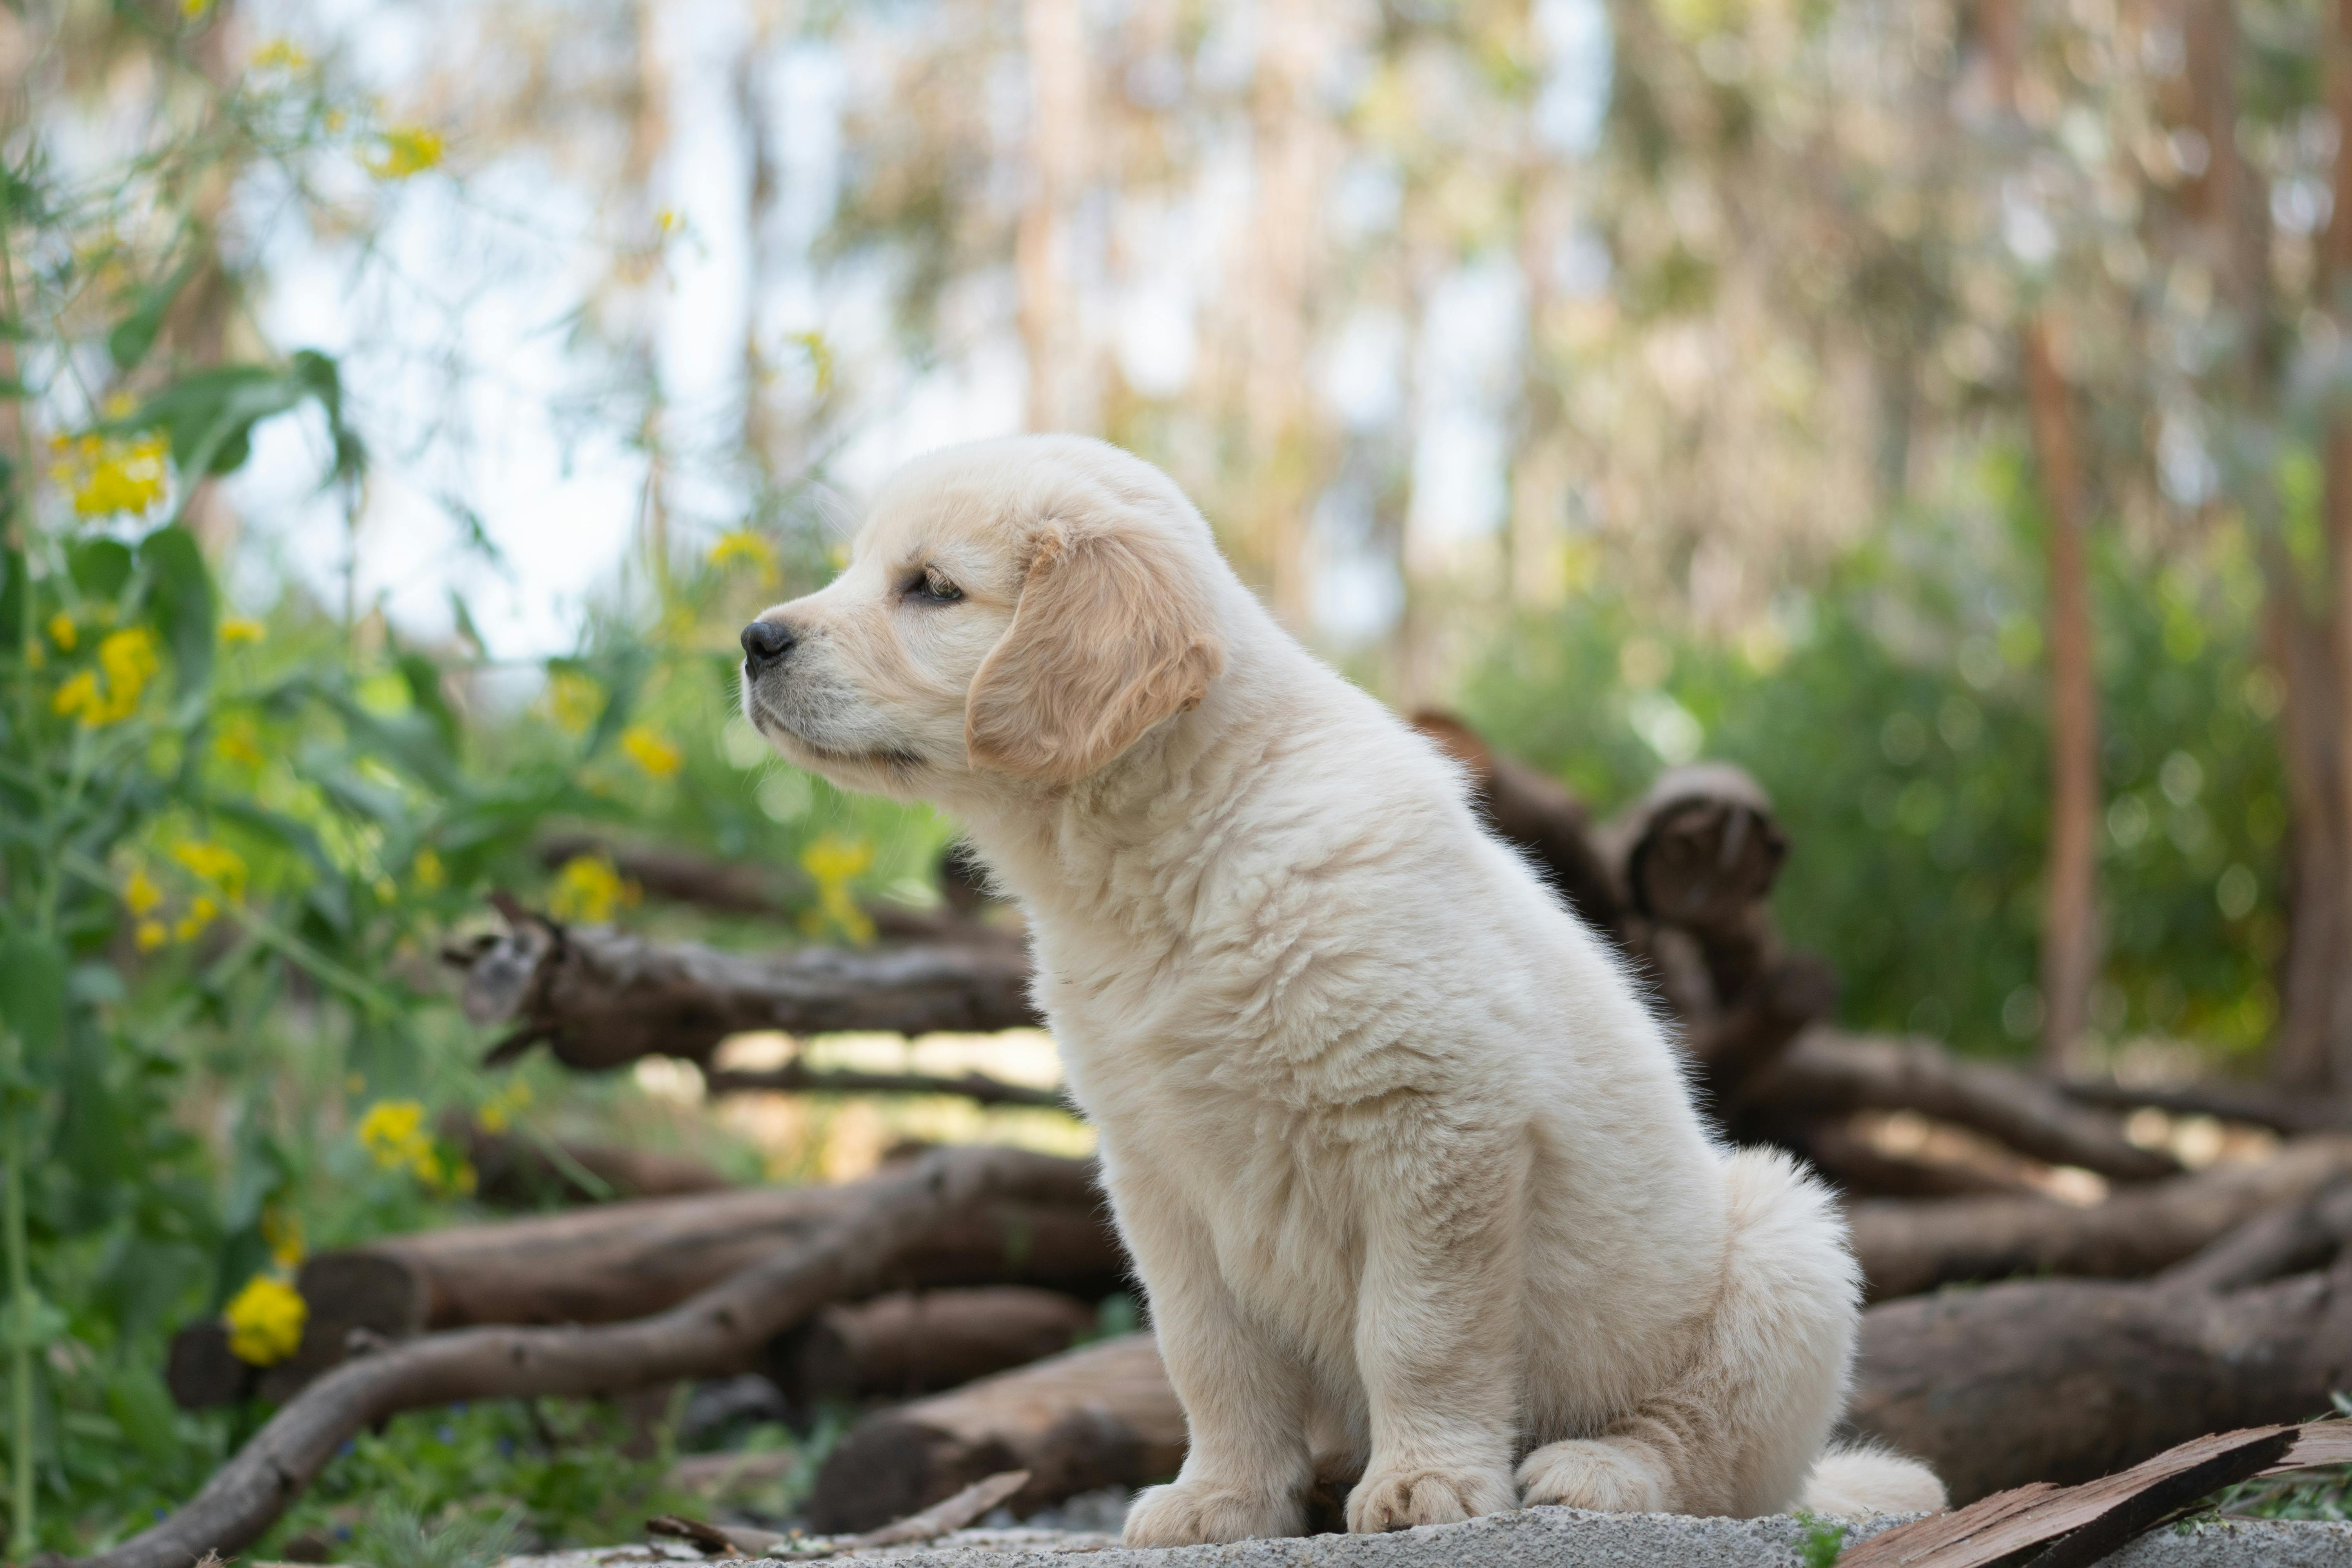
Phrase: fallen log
{"type": "Point", "coordinates": [718, 1331]}
{"type": "Point", "coordinates": [1860, 1171]}
{"type": "Point", "coordinates": [1827, 1071]}
{"type": "Point", "coordinates": [1906, 1247]}
{"type": "Point", "coordinates": [601, 998]}
{"type": "Point", "coordinates": [2045, 1380]}
{"type": "Point", "coordinates": [796, 1077]}
{"type": "Point", "coordinates": [1538, 814]}
{"type": "Point", "coordinates": [515, 1172]}
{"type": "Point", "coordinates": [1102, 1416]}
{"type": "Point", "coordinates": [615, 1261]}
{"type": "Point", "coordinates": [732, 888]}
{"type": "Point", "coordinates": [2252, 1104]}
{"type": "Point", "coordinates": [912, 1342]}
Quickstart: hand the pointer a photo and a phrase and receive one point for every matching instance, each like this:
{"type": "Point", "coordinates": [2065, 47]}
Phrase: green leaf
{"type": "Point", "coordinates": [33, 995]}
{"type": "Point", "coordinates": [100, 567]}
{"type": "Point", "coordinates": [210, 414]}
{"type": "Point", "coordinates": [180, 597]}
{"type": "Point", "coordinates": [13, 596]}
{"type": "Point", "coordinates": [424, 678]}
{"type": "Point", "coordinates": [133, 336]}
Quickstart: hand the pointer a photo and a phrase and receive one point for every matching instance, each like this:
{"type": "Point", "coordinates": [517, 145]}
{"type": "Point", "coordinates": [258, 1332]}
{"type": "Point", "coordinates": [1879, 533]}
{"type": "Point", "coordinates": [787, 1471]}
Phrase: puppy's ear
{"type": "Point", "coordinates": [1112, 634]}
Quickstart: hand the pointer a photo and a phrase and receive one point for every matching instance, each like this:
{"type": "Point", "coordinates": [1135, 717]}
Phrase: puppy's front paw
{"type": "Point", "coordinates": [1188, 1513]}
{"type": "Point", "coordinates": [1603, 1476]}
{"type": "Point", "coordinates": [1407, 1495]}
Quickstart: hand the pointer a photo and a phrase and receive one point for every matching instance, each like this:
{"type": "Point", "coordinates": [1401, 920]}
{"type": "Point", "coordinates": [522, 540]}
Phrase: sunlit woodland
{"type": "Point", "coordinates": [1935, 408]}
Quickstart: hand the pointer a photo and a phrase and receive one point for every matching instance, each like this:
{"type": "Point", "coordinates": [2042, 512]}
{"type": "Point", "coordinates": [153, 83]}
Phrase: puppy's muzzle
{"type": "Point", "coordinates": [765, 644]}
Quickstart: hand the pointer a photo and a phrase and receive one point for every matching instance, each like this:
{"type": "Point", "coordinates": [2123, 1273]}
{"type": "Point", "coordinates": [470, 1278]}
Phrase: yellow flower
{"type": "Point", "coordinates": [201, 911]}
{"type": "Point", "coordinates": [109, 474]}
{"type": "Point", "coordinates": [281, 1231]}
{"type": "Point", "coordinates": [574, 701]}
{"type": "Point", "coordinates": [194, 9]}
{"type": "Point", "coordinates": [152, 935]}
{"type": "Point", "coordinates": [588, 890]}
{"type": "Point", "coordinates": [650, 751]}
{"type": "Point", "coordinates": [63, 632]}
{"type": "Point", "coordinates": [742, 547]}
{"type": "Point", "coordinates": [279, 54]}
{"type": "Point", "coordinates": [266, 1322]}
{"type": "Point", "coordinates": [407, 150]}
{"type": "Point", "coordinates": [242, 628]}
{"type": "Point", "coordinates": [334, 121]}
{"type": "Point", "coordinates": [140, 895]}
{"type": "Point", "coordinates": [394, 1131]}
{"type": "Point", "coordinates": [667, 222]}
{"type": "Point", "coordinates": [834, 862]}
{"type": "Point", "coordinates": [428, 870]}
{"type": "Point", "coordinates": [129, 661]}
{"type": "Point", "coordinates": [218, 864]}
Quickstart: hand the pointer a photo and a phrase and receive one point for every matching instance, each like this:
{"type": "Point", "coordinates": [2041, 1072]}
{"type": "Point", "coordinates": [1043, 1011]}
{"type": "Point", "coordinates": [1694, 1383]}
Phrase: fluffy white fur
{"type": "Point", "coordinates": [1410, 1169]}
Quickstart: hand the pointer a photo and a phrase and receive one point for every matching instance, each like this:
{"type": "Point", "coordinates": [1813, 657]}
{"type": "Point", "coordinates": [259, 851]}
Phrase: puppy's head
{"type": "Point", "coordinates": [1023, 609]}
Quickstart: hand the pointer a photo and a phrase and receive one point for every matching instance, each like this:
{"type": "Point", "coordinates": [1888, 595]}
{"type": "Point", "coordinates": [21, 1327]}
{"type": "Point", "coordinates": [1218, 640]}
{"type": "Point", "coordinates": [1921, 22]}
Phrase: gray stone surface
{"type": "Point", "coordinates": [1531, 1538]}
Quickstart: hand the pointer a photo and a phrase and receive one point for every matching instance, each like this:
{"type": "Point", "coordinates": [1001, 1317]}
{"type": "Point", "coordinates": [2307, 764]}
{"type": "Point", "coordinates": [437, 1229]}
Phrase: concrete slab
{"type": "Point", "coordinates": [1531, 1538]}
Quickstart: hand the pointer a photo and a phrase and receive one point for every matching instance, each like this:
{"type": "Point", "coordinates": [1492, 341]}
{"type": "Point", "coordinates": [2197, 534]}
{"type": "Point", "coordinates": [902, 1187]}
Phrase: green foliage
{"type": "Point", "coordinates": [1896, 718]}
{"type": "Point", "coordinates": [1822, 1542]}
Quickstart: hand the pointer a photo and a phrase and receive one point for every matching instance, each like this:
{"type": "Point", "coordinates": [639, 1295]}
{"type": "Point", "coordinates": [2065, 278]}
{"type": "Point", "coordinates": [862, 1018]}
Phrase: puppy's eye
{"type": "Point", "coordinates": [933, 588]}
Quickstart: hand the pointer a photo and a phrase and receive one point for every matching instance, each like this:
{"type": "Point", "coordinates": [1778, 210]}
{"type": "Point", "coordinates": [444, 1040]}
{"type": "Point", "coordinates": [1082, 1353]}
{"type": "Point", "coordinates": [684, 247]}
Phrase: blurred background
{"type": "Point", "coordinates": [1936, 407]}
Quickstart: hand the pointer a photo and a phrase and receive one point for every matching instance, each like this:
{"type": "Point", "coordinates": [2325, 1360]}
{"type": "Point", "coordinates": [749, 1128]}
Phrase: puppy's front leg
{"type": "Point", "coordinates": [1247, 1470]}
{"type": "Point", "coordinates": [1437, 1341]}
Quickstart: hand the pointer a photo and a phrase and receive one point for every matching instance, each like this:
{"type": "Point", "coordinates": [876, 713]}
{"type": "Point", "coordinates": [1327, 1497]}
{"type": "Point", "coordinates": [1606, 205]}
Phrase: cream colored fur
{"type": "Point", "coordinates": [1409, 1167]}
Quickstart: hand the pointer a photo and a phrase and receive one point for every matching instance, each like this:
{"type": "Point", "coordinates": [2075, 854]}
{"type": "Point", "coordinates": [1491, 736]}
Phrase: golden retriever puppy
{"type": "Point", "coordinates": [1411, 1172]}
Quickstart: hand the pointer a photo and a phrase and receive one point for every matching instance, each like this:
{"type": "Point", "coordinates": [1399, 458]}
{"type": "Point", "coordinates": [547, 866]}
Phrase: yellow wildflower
{"type": "Point", "coordinates": [152, 935]}
{"type": "Point", "coordinates": [833, 863]}
{"type": "Point", "coordinates": [334, 119]}
{"type": "Point", "coordinates": [279, 54]}
{"type": "Point", "coordinates": [281, 1231]}
{"type": "Point", "coordinates": [588, 890]}
{"type": "Point", "coordinates": [242, 628]}
{"type": "Point", "coordinates": [743, 547]}
{"type": "Point", "coordinates": [109, 474]}
{"type": "Point", "coordinates": [193, 10]}
{"type": "Point", "coordinates": [129, 659]}
{"type": "Point", "coordinates": [428, 870]}
{"type": "Point", "coordinates": [266, 1322]}
{"type": "Point", "coordinates": [667, 222]}
{"type": "Point", "coordinates": [574, 701]}
{"type": "Point", "coordinates": [77, 694]}
{"type": "Point", "coordinates": [140, 895]}
{"type": "Point", "coordinates": [201, 911]}
{"type": "Point", "coordinates": [407, 150]}
{"type": "Point", "coordinates": [63, 632]}
{"type": "Point", "coordinates": [218, 864]}
{"type": "Point", "coordinates": [394, 1131]}
{"type": "Point", "coordinates": [650, 751]}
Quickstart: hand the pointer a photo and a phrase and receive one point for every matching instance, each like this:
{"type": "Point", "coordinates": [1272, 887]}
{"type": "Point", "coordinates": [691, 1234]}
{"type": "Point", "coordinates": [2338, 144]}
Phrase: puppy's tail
{"type": "Point", "coordinates": [1863, 1480]}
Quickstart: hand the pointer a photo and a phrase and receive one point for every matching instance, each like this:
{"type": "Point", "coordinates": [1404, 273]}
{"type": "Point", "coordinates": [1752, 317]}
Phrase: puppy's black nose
{"type": "Point", "coordinates": [764, 642]}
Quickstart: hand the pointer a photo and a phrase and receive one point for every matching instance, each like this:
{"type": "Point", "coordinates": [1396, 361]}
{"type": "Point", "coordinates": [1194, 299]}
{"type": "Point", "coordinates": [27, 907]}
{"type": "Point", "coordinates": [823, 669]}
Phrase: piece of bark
{"type": "Point", "coordinates": [613, 1261]}
{"type": "Point", "coordinates": [912, 1342]}
{"type": "Point", "coordinates": [1100, 1415]}
{"type": "Point", "coordinates": [601, 998]}
{"type": "Point", "coordinates": [1906, 1247]}
{"type": "Point", "coordinates": [1827, 1071]}
{"type": "Point", "coordinates": [942, 1518]}
{"type": "Point", "coordinates": [718, 1331]}
{"type": "Point", "coordinates": [2073, 1527]}
{"type": "Point", "coordinates": [795, 1076]}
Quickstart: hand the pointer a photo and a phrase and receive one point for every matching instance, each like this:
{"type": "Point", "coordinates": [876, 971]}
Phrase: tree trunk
{"type": "Point", "coordinates": [2070, 915]}
{"type": "Point", "coordinates": [1054, 31]}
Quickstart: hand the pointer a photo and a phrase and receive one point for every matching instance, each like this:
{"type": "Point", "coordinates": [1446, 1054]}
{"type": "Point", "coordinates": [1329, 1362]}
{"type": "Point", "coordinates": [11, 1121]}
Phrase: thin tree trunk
{"type": "Point", "coordinates": [2070, 916]}
{"type": "Point", "coordinates": [1054, 31]}
{"type": "Point", "coordinates": [2333, 278]}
